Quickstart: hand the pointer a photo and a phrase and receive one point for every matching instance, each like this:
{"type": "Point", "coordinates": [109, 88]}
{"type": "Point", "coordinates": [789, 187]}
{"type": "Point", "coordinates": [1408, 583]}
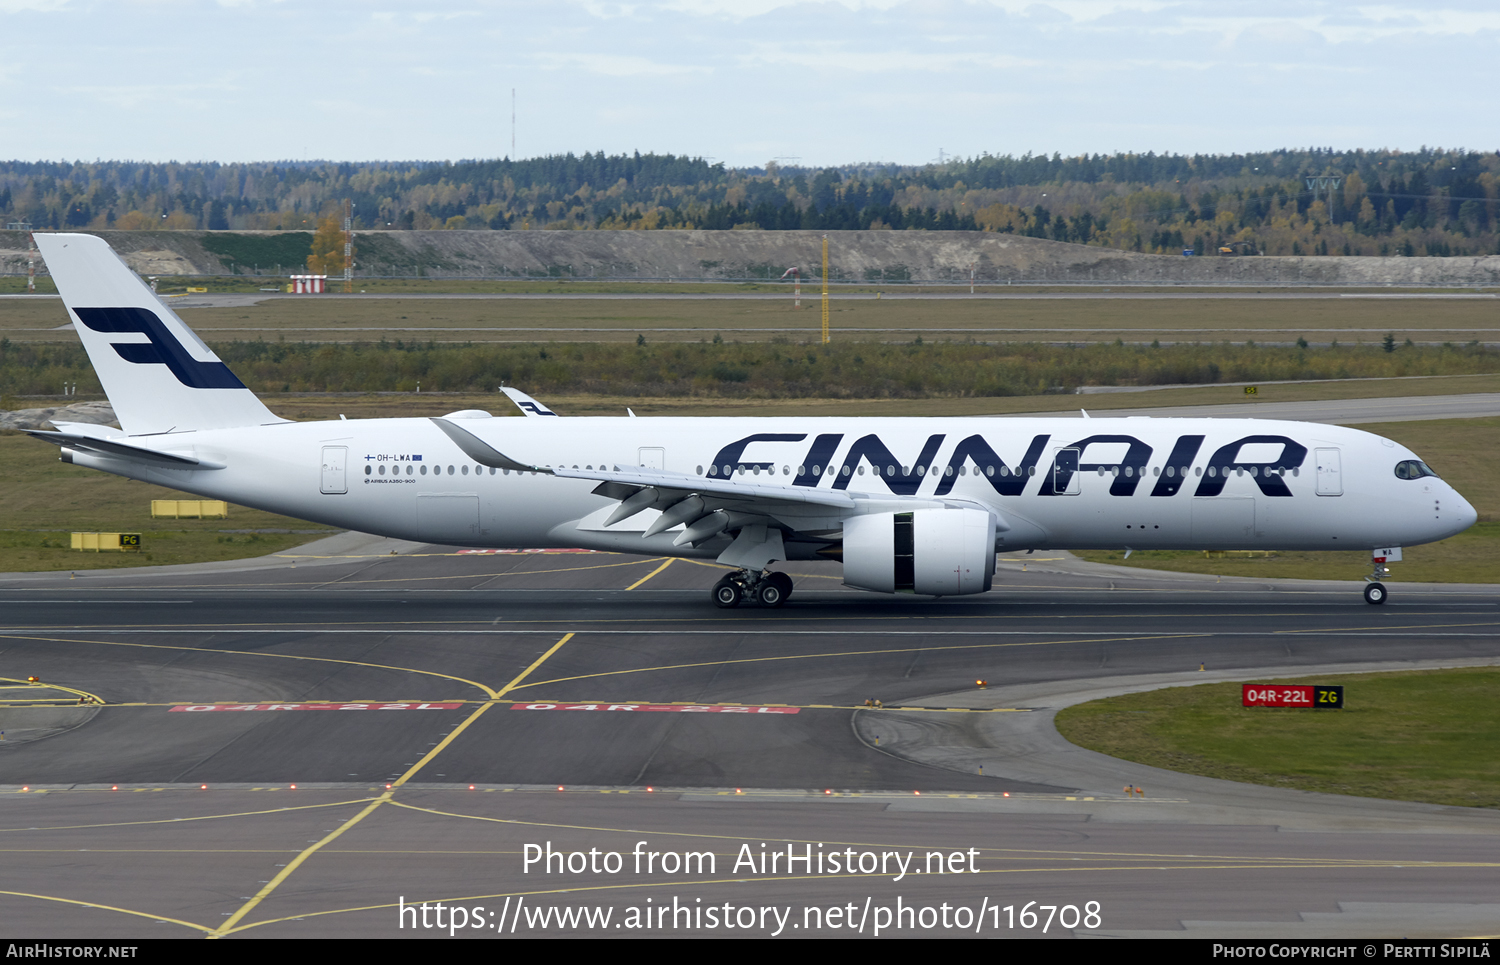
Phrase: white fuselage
{"type": "Point", "coordinates": [1055, 483]}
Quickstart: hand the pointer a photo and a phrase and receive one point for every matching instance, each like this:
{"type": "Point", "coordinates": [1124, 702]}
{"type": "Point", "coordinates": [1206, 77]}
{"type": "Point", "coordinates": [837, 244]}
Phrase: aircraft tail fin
{"type": "Point", "coordinates": [526, 403]}
{"type": "Point", "coordinates": [158, 374]}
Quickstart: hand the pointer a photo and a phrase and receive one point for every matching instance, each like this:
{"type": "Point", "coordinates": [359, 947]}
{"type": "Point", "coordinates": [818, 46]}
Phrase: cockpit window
{"type": "Point", "coordinates": [1413, 469]}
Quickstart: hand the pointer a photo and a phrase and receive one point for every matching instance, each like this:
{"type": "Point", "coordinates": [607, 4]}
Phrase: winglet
{"type": "Point", "coordinates": [481, 451]}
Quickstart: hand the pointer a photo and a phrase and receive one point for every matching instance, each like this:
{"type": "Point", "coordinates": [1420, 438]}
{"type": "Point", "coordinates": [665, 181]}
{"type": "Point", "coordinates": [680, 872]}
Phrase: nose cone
{"type": "Point", "coordinates": [1464, 515]}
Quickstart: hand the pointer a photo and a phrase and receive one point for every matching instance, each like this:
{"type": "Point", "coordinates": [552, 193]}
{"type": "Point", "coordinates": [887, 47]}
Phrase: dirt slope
{"type": "Point", "coordinates": [891, 256]}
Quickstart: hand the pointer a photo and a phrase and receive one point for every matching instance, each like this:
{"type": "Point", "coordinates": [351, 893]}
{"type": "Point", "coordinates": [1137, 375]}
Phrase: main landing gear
{"type": "Point", "coordinates": [766, 589]}
{"type": "Point", "coordinates": [1375, 591]}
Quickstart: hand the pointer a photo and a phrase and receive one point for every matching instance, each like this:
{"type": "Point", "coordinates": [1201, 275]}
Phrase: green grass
{"type": "Point", "coordinates": [46, 499]}
{"type": "Point", "coordinates": [1425, 736]}
{"type": "Point", "coordinates": [16, 285]}
{"type": "Point", "coordinates": [35, 552]}
{"type": "Point", "coordinates": [246, 252]}
{"type": "Point", "coordinates": [774, 369]}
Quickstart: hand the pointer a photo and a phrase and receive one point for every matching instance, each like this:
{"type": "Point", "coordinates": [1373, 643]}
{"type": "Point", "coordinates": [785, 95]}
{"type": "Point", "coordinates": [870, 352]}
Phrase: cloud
{"type": "Point", "coordinates": [615, 65]}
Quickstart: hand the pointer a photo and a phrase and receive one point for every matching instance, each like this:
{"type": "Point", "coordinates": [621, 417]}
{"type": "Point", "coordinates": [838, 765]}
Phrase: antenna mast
{"type": "Point", "coordinates": [348, 247]}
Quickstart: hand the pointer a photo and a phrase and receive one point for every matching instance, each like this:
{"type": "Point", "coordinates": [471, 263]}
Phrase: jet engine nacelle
{"type": "Point", "coordinates": [937, 552]}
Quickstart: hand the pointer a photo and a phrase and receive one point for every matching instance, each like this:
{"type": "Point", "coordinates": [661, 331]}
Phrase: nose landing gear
{"type": "Point", "coordinates": [1375, 591]}
{"type": "Point", "coordinates": [767, 589]}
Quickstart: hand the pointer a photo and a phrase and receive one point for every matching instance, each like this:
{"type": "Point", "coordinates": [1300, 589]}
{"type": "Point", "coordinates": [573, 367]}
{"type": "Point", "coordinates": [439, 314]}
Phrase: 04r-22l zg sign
{"type": "Point", "coordinates": [1305, 696]}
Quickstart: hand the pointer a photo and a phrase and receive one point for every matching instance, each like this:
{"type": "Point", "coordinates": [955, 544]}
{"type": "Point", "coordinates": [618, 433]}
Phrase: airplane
{"type": "Point", "coordinates": [908, 505]}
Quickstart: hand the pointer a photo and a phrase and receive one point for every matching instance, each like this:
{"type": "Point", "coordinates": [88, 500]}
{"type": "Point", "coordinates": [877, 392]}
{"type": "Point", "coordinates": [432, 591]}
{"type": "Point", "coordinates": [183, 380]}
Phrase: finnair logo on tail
{"type": "Point", "coordinates": [162, 349]}
{"type": "Point", "coordinates": [528, 405]}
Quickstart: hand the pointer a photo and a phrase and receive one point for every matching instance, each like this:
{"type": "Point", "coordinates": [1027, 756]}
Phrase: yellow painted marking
{"type": "Point", "coordinates": [810, 618]}
{"type": "Point", "coordinates": [123, 911]}
{"type": "Point", "coordinates": [537, 663]}
{"type": "Point", "coordinates": [387, 797]}
{"type": "Point", "coordinates": [442, 745]}
{"type": "Point", "coordinates": [1233, 864]}
{"type": "Point", "coordinates": [201, 817]}
{"type": "Point", "coordinates": [404, 579]}
{"type": "Point", "coordinates": [649, 575]}
{"type": "Point", "coordinates": [865, 653]}
{"type": "Point", "coordinates": [251, 653]}
{"type": "Point", "coordinates": [1412, 626]}
{"type": "Point", "coordinates": [16, 684]}
{"type": "Point", "coordinates": [293, 865]}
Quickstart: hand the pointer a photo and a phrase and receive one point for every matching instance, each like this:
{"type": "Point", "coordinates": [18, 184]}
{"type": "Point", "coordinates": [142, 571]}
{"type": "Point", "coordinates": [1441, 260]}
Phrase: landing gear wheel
{"type": "Point", "coordinates": [1375, 593]}
{"type": "Point", "coordinates": [774, 590]}
{"type": "Point", "coordinates": [726, 594]}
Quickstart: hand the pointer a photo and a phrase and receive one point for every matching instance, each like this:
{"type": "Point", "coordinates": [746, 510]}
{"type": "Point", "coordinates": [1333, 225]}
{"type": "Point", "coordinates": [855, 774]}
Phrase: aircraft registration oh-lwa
{"type": "Point", "coordinates": [909, 505]}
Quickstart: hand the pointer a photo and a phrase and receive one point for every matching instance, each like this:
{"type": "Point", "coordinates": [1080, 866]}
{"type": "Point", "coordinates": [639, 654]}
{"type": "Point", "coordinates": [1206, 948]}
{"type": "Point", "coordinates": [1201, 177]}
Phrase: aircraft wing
{"type": "Point", "coordinates": [625, 482]}
{"type": "Point", "coordinates": [707, 507]}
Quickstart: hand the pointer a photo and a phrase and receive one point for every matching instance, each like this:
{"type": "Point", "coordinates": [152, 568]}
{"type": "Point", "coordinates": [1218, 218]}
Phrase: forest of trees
{"type": "Point", "coordinates": [1416, 203]}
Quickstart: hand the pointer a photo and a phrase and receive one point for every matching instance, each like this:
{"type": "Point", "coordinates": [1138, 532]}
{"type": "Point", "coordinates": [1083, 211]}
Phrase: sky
{"type": "Point", "coordinates": [739, 81]}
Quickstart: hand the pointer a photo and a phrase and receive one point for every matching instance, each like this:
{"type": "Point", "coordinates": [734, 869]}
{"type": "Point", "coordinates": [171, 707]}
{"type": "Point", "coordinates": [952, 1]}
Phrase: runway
{"type": "Point", "coordinates": [597, 701]}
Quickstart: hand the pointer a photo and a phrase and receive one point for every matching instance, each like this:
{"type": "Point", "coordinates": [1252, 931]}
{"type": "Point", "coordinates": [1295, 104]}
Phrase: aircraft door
{"type": "Point", "coordinates": [1330, 476]}
{"type": "Point", "coordinates": [653, 458]}
{"type": "Point", "coordinates": [335, 459]}
{"type": "Point", "coordinates": [1066, 479]}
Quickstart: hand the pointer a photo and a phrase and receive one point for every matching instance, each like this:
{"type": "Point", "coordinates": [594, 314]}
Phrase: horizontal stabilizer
{"type": "Point", "coordinates": [122, 450]}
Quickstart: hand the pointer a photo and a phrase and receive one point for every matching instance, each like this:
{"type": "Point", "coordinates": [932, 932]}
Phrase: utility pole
{"type": "Point", "coordinates": [825, 289]}
{"type": "Point", "coordinates": [512, 123]}
{"type": "Point", "coordinates": [31, 265]}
